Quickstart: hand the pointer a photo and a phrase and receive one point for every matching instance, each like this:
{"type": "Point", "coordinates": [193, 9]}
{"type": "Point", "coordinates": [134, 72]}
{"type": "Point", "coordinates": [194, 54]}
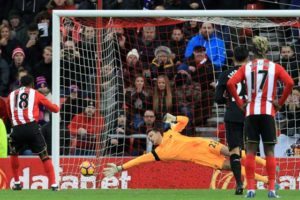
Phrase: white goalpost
{"type": "Point", "coordinates": [94, 68]}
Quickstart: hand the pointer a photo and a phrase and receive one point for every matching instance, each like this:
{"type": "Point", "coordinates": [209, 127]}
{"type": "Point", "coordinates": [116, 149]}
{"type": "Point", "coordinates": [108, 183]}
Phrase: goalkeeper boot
{"type": "Point", "coordinates": [250, 194]}
{"type": "Point", "coordinates": [17, 186]}
{"type": "Point", "coordinates": [239, 189]}
{"type": "Point", "coordinates": [54, 187]}
{"type": "Point", "coordinates": [272, 194]}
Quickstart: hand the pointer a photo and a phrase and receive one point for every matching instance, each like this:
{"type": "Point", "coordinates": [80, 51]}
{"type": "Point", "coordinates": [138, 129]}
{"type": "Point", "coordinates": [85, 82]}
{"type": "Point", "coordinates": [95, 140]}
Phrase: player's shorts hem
{"type": "Point", "coordinates": [251, 141]}
{"type": "Point", "coordinates": [269, 142]}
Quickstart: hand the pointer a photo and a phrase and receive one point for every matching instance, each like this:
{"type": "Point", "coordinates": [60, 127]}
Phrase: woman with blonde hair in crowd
{"type": "Point", "coordinates": [162, 97]}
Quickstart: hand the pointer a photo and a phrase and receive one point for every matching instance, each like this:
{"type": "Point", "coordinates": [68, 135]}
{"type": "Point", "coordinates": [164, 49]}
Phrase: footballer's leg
{"type": "Point", "coordinates": [252, 138]}
{"type": "Point", "coordinates": [39, 146]}
{"type": "Point", "coordinates": [234, 136]}
{"type": "Point", "coordinates": [14, 160]}
{"type": "Point", "coordinates": [269, 139]}
{"type": "Point", "coordinates": [49, 169]}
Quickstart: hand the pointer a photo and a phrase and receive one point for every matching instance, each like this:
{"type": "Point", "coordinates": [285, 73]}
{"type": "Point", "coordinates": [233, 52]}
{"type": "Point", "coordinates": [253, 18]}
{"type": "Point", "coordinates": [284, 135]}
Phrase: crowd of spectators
{"type": "Point", "coordinates": [166, 67]}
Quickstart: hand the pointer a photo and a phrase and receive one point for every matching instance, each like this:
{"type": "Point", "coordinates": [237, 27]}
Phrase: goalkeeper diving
{"type": "Point", "coordinates": [171, 145]}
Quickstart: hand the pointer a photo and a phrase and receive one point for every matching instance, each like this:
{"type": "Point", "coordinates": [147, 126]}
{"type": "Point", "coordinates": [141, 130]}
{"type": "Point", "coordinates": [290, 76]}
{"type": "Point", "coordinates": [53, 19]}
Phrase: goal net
{"type": "Point", "coordinates": [119, 76]}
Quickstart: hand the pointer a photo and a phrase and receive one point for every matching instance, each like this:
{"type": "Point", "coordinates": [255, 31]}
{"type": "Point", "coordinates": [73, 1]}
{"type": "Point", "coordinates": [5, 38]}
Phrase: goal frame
{"type": "Point", "coordinates": [56, 40]}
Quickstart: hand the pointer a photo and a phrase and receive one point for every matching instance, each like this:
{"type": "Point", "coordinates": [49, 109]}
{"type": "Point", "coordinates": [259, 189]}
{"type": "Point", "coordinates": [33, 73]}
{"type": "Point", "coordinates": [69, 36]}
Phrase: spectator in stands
{"type": "Point", "coordinates": [18, 57]}
{"type": "Point", "coordinates": [190, 28]}
{"type": "Point", "coordinates": [290, 62]}
{"type": "Point", "coordinates": [4, 77]}
{"type": "Point", "coordinates": [122, 5]}
{"type": "Point", "coordinates": [44, 66]}
{"type": "Point", "coordinates": [291, 110]}
{"type": "Point", "coordinates": [43, 20]}
{"type": "Point", "coordinates": [137, 101]}
{"type": "Point", "coordinates": [138, 146]}
{"type": "Point", "coordinates": [118, 144]}
{"type": "Point", "coordinates": [70, 66]}
{"type": "Point", "coordinates": [70, 29]}
{"type": "Point", "coordinates": [33, 48]}
{"type": "Point", "coordinates": [177, 44]}
{"type": "Point", "coordinates": [28, 9]}
{"type": "Point", "coordinates": [162, 97]}
{"type": "Point", "coordinates": [188, 98]}
{"type": "Point", "coordinates": [85, 129]}
{"type": "Point", "coordinates": [163, 63]}
{"type": "Point", "coordinates": [200, 68]}
{"type": "Point", "coordinates": [18, 27]}
{"type": "Point", "coordinates": [7, 44]}
{"type": "Point", "coordinates": [87, 46]}
{"type": "Point", "coordinates": [42, 87]}
{"type": "Point", "coordinates": [132, 67]}
{"type": "Point", "coordinates": [60, 5]}
{"type": "Point", "coordinates": [215, 47]}
{"type": "Point", "coordinates": [70, 107]}
{"type": "Point", "coordinates": [16, 81]}
{"type": "Point", "coordinates": [147, 43]}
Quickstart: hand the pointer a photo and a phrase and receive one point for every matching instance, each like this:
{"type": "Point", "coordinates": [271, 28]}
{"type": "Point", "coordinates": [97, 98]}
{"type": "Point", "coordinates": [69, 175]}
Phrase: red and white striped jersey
{"type": "Point", "coordinates": [261, 78]}
{"type": "Point", "coordinates": [23, 105]}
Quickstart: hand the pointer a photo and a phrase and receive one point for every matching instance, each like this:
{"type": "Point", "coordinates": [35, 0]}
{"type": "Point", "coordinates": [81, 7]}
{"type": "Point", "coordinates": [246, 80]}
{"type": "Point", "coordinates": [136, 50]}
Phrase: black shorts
{"type": "Point", "coordinates": [263, 126]}
{"type": "Point", "coordinates": [27, 135]}
{"type": "Point", "coordinates": [234, 134]}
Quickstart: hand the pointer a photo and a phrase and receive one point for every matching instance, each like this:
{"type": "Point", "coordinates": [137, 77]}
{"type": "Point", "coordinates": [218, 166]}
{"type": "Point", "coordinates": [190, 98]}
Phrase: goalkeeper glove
{"type": "Point", "coordinates": [168, 118]}
{"type": "Point", "coordinates": [111, 169]}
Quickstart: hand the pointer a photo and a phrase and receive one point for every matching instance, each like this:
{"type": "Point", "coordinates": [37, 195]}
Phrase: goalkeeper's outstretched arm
{"type": "Point", "coordinates": [112, 168]}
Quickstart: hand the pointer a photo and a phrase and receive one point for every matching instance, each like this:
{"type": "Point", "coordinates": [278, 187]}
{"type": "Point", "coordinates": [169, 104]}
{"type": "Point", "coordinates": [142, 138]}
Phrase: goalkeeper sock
{"type": "Point", "coordinates": [49, 170]}
{"type": "Point", "coordinates": [14, 161]}
{"type": "Point", "coordinates": [271, 171]}
{"type": "Point", "coordinates": [235, 163]}
{"type": "Point", "coordinates": [250, 171]}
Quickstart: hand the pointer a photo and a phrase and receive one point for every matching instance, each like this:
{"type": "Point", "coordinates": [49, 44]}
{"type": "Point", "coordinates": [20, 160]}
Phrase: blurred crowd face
{"type": "Point", "coordinates": [47, 56]}
{"type": "Point", "coordinates": [89, 33]}
{"type": "Point", "coordinates": [177, 35]}
{"type": "Point", "coordinates": [193, 24]}
{"type": "Point", "coordinates": [21, 74]}
{"type": "Point", "coordinates": [33, 35]}
{"type": "Point", "coordinates": [199, 55]}
{"type": "Point", "coordinates": [162, 57]}
{"type": "Point", "coordinates": [44, 90]}
{"type": "Point", "coordinates": [73, 95]}
{"type": "Point", "coordinates": [122, 120]}
{"type": "Point", "coordinates": [286, 52]}
{"type": "Point", "coordinates": [18, 59]}
{"type": "Point", "coordinates": [206, 29]}
{"type": "Point", "coordinates": [4, 33]}
{"type": "Point", "coordinates": [139, 83]}
{"type": "Point", "coordinates": [59, 2]}
{"type": "Point", "coordinates": [149, 33]}
{"type": "Point", "coordinates": [131, 60]}
{"type": "Point", "coordinates": [149, 118]}
{"type": "Point", "coordinates": [90, 111]}
{"type": "Point", "coordinates": [119, 30]}
{"type": "Point", "coordinates": [69, 45]}
{"type": "Point", "coordinates": [107, 70]}
{"type": "Point", "coordinates": [161, 83]}
{"type": "Point", "coordinates": [14, 22]}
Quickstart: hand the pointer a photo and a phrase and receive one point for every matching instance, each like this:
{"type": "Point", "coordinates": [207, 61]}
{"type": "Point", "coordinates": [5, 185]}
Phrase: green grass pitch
{"type": "Point", "coordinates": [135, 194]}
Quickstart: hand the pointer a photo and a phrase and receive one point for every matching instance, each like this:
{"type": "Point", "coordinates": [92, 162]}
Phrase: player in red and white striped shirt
{"type": "Point", "coordinates": [23, 109]}
{"type": "Point", "coordinates": [261, 76]}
